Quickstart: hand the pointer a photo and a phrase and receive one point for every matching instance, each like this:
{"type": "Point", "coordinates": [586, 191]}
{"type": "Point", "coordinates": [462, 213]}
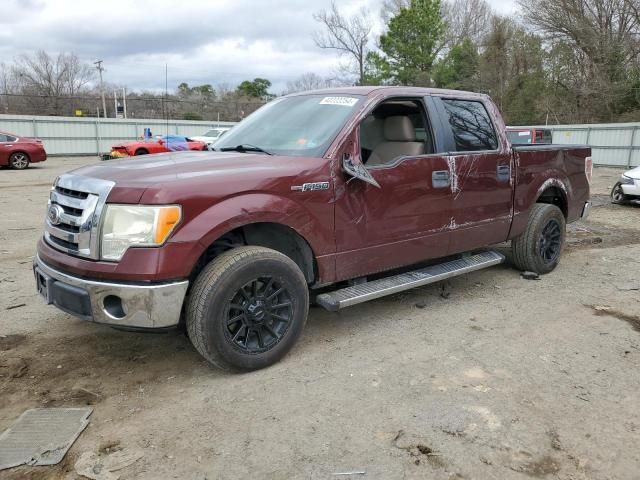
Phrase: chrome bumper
{"type": "Point", "coordinates": [585, 210]}
{"type": "Point", "coordinates": [137, 306]}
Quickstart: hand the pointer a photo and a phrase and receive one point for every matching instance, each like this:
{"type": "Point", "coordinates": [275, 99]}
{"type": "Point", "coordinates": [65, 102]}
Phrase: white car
{"type": "Point", "coordinates": [210, 136]}
{"type": "Point", "coordinates": [627, 188]}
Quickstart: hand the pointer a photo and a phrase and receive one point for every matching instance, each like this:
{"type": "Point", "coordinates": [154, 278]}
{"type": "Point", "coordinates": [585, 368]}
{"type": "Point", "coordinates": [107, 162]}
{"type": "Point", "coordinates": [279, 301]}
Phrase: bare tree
{"type": "Point", "coordinates": [46, 75]}
{"type": "Point", "coordinates": [309, 81]}
{"type": "Point", "coordinates": [466, 19]}
{"type": "Point", "coordinates": [349, 36]}
{"type": "Point", "coordinates": [54, 77]}
{"type": "Point", "coordinates": [604, 35]}
{"type": "Point", "coordinates": [604, 30]}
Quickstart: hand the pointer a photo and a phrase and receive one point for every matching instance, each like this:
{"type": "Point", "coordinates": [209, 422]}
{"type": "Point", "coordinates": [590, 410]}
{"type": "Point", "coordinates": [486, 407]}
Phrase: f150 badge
{"type": "Point", "coordinates": [310, 187]}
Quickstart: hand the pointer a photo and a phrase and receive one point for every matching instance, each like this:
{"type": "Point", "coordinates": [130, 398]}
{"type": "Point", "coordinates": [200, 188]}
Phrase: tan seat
{"type": "Point", "coordinates": [399, 141]}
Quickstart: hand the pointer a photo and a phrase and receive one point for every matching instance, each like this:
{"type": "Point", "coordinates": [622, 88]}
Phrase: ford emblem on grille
{"type": "Point", "coordinates": [54, 214]}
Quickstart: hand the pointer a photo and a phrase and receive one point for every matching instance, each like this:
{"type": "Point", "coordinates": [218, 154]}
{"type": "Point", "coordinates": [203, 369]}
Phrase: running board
{"type": "Point", "coordinates": [346, 297]}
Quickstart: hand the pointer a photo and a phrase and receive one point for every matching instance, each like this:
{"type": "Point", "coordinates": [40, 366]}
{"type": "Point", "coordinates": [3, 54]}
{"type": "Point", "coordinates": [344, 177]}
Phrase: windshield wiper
{"type": "Point", "coordinates": [244, 147]}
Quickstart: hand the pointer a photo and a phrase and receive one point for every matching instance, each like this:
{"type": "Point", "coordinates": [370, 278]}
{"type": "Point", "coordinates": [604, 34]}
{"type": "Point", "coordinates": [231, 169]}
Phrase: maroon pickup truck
{"type": "Point", "coordinates": [345, 194]}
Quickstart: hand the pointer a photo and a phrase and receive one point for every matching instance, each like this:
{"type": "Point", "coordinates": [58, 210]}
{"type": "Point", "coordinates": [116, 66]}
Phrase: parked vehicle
{"type": "Point", "coordinates": [627, 188]}
{"type": "Point", "coordinates": [19, 152]}
{"type": "Point", "coordinates": [342, 192]}
{"type": "Point", "coordinates": [211, 136]}
{"type": "Point", "coordinates": [528, 136]}
{"type": "Point", "coordinates": [163, 144]}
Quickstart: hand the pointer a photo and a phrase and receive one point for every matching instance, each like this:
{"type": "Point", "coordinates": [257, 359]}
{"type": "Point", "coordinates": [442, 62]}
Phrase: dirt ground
{"type": "Point", "coordinates": [503, 379]}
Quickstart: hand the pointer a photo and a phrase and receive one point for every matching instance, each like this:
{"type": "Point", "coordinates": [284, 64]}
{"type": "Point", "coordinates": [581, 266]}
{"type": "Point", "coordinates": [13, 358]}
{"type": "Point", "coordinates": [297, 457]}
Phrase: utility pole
{"type": "Point", "coordinates": [100, 68]}
{"type": "Point", "coordinates": [124, 100]}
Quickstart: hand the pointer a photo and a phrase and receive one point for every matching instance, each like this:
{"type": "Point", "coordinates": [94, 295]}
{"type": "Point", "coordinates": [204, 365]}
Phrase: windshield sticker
{"type": "Point", "coordinates": [342, 101]}
{"type": "Point", "coordinates": [523, 134]}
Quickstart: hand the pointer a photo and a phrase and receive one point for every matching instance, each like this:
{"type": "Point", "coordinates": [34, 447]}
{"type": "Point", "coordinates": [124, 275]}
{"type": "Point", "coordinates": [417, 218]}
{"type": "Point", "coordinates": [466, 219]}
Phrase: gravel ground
{"type": "Point", "coordinates": [503, 379]}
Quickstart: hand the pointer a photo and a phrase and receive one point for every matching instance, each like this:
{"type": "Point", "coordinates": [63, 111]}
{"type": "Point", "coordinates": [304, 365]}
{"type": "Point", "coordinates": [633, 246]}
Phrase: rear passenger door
{"type": "Point", "coordinates": [481, 167]}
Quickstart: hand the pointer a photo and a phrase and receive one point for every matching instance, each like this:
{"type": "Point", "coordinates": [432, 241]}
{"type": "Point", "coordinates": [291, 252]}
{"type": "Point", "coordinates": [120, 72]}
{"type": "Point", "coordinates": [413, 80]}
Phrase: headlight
{"type": "Point", "coordinates": [127, 226]}
{"type": "Point", "coordinates": [626, 180]}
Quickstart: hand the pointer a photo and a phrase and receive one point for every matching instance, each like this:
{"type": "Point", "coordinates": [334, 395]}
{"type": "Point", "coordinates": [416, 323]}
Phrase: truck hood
{"type": "Point", "coordinates": [164, 168]}
{"type": "Point", "coordinates": [170, 177]}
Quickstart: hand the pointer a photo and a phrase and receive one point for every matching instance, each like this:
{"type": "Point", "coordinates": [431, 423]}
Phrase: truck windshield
{"type": "Point", "coordinates": [302, 125]}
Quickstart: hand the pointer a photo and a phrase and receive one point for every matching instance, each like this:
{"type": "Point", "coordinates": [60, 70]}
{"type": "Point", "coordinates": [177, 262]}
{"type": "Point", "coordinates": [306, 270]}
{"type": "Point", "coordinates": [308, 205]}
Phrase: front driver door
{"type": "Point", "coordinates": [402, 222]}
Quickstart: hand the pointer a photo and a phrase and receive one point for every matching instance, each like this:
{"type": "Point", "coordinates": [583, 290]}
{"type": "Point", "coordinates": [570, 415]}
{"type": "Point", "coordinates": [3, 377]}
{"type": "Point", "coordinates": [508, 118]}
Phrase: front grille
{"type": "Point", "coordinates": [76, 212]}
{"type": "Point", "coordinates": [64, 244]}
{"type": "Point", "coordinates": [75, 205]}
{"type": "Point", "coordinates": [71, 193]}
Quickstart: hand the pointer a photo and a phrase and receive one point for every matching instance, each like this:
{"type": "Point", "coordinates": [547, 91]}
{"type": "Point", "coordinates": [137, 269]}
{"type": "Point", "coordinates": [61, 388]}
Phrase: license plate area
{"type": "Point", "coordinates": [43, 284]}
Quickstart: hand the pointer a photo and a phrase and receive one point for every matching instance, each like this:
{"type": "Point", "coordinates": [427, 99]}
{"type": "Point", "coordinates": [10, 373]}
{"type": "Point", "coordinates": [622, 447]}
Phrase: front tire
{"type": "Point", "coordinates": [247, 308]}
{"type": "Point", "coordinates": [538, 249]}
{"type": "Point", "coordinates": [19, 161]}
{"type": "Point", "coordinates": [617, 195]}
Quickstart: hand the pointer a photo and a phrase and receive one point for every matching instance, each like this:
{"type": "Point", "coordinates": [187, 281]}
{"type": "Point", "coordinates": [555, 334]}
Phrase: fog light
{"type": "Point", "coordinates": [114, 307]}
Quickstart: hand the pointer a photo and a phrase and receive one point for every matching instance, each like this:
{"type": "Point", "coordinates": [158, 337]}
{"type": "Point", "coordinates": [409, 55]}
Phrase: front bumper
{"type": "Point", "coordinates": [631, 189]}
{"type": "Point", "coordinates": [119, 304]}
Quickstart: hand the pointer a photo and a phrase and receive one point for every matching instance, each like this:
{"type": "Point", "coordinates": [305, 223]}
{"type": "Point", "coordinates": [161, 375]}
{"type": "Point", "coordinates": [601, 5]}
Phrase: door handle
{"type": "Point", "coordinates": [440, 178]}
{"type": "Point", "coordinates": [504, 173]}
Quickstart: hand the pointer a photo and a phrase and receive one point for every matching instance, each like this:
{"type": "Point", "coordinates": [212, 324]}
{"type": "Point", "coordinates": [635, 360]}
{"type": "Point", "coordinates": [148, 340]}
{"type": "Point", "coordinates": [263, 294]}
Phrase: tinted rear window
{"type": "Point", "coordinates": [519, 137]}
{"type": "Point", "coordinates": [471, 125]}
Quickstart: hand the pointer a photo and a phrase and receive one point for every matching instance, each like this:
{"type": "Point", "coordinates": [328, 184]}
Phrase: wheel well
{"type": "Point", "coordinates": [555, 196]}
{"type": "Point", "coordinates": [20, 151]}
{"type": "Point", "coordinates": [270, 235]}
{"type": "Point", "coordinates": [138, 150]}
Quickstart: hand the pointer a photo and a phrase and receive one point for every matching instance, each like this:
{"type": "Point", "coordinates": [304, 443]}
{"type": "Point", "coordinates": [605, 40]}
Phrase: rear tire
{"type": "Point", "coordinates": [538, 249]}
{"type": "Point", "coordinates": [617, 195]}
{"type": "Point", "coordinates": [141, 151]}
{"type": "Point", "coordinates": [19, 161]}
{"type": "Point", "coordinates": [247, 308]}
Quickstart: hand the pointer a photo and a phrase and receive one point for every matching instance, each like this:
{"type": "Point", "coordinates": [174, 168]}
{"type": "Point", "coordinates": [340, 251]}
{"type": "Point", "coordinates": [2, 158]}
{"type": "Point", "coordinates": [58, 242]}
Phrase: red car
{"type": "Point", "coordinates": [167, 143]}
{"type": "Point", "coordinates": [18, 152]}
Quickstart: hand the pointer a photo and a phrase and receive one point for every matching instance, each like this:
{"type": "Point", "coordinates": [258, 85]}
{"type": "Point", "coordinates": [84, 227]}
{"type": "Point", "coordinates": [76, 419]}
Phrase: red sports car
{"type": "Point", "coordinates": [168, 143]}
{"type": "Point", "coordinates": [18, 152]}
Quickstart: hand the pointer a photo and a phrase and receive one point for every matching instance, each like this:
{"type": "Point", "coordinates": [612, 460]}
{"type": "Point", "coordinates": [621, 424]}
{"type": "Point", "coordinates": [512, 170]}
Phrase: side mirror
{"type": "Point", "coordinates": [357, 170]}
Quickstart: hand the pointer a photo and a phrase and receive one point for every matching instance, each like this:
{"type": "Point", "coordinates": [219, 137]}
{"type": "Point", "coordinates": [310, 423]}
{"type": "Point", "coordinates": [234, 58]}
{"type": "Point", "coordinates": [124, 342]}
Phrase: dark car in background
{"type": "Point", "coordinates": [528, 136]}
{"type": "Point", "coordinates": [18, 152]}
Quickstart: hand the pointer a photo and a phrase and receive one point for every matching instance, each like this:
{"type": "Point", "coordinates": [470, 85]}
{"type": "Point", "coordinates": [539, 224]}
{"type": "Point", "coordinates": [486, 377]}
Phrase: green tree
{"type": "Point", "coordinates": [377, 70]}
{"type": "Point", "coordinates": [184, 90]}
{"type": "Point", "coordinates": [258, 87]}
{"type": "Point", "coordinates": [205, 90]}
{"type": "Point", "coordinates": [412, 41]}
{"type": "Point", "coordinates": [459, 69]}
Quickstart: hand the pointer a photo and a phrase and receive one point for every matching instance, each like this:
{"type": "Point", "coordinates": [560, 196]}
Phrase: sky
{"type": "Point", "coordinates": [200, 41]}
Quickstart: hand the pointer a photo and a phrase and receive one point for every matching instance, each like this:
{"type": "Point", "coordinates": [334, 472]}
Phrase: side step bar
{"type": "Point", "coordinates": [346, 297]}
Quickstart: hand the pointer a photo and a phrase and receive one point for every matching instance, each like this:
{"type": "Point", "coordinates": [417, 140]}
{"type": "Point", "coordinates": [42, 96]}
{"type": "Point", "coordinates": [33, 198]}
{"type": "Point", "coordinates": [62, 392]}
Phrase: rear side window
{"type": "Point", "coordinates": [471, 125]}
{"type": "Point", "coordinates": [3, 138]}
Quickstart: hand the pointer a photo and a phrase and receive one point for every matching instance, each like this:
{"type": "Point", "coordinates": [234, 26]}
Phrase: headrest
{"type": "Point", "coordinates": [399, 129]}
{"type": "Point", "coordinates": [371, 132]}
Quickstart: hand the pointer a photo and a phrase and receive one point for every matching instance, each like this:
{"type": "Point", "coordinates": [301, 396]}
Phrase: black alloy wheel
{"type": "Point", "coordinates": [550, 242]}
{"type": "Point", "coordinates": [259, 315]}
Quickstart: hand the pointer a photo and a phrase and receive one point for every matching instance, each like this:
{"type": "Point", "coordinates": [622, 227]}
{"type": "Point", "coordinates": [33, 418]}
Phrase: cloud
{"type": "Point", "coordinates": [201, 41]}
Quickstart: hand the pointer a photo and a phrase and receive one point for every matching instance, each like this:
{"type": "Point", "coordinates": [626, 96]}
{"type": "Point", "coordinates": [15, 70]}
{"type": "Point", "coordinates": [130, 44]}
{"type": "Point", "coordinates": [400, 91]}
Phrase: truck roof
{"type": "Point", "coordinates": [389, 91]}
